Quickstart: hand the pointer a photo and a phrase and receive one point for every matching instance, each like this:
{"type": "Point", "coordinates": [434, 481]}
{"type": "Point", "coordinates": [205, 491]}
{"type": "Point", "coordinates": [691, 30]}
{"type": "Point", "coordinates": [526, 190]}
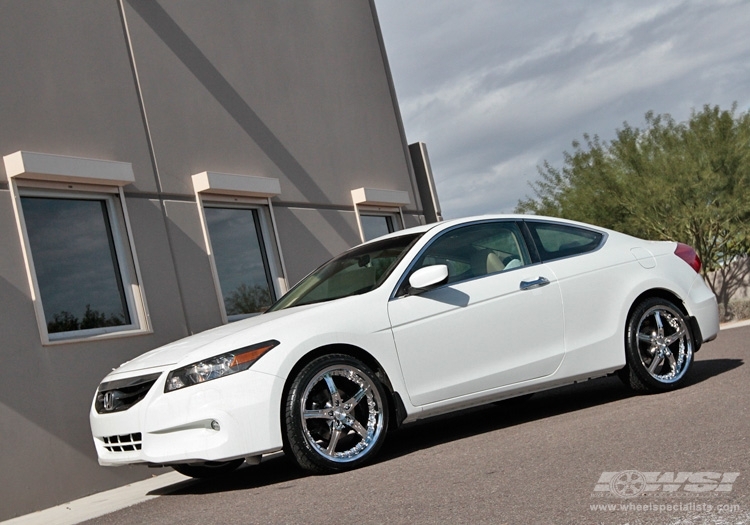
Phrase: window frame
{"type": "Point", "coordinates": [393, 219]}
{"type": "Point", "coordinates": [528, 252]}
{"type": "Point", "coordinates": [242, 191]}
{"type": "Point", "coordinates": [124, 248]}
{"type": "Point", "coordinates": [546, 256]}
{"type": "Point", "coordinates": [269, 251]}
{"type": "Point", "coordinates": [371, 202]}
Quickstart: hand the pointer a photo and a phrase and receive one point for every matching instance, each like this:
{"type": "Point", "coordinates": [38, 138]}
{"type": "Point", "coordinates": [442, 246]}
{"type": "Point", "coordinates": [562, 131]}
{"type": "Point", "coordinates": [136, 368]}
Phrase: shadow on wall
{"type": "Point", "coordinates": [308, 251]}
{"type": "Point", "coordinates": [206, 73]}
{"type": "Point", "coordinates": [45, 396]}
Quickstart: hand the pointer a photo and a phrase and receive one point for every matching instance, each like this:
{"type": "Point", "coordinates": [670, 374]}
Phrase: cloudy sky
{"type": "Point", "coordinates": [495, 87]}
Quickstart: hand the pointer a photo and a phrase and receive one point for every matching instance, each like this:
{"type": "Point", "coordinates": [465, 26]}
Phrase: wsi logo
{"type": "Point", "coordinates": [632, 483]}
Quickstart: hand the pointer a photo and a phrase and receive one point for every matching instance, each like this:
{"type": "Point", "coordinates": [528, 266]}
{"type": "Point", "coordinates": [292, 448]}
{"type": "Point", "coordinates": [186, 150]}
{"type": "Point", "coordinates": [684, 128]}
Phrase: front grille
{"type": "Point", "coordinates": [124, 443]}
{"type": "Point", "coordinates": [116, 396]}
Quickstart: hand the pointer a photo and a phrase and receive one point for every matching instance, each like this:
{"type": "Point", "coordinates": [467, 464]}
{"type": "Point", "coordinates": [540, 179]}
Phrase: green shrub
{"type": "Point", "coordinates": [738, 310]}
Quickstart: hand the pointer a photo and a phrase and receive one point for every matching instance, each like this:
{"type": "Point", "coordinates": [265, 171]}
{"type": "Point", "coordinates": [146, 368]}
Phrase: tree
{"type": "Point", "coordinates": [65, 321]}
{"type": "Point", "coordinates": [687, 182]}
{"type": "Point", "coordinates": [97, 319]}
{"type": "Point", "coordinates": [247, 299]}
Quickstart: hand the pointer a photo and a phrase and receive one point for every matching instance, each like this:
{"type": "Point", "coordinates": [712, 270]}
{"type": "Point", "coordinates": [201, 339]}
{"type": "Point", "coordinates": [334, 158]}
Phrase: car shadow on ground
{"type": "Point", "coordinates": [279, 470]}
{"type": "Point", "coordinates": [558, 401]}
{"type": "Point", "coordinates": [274, 470]}
{"type": "Point", "coordinates": [708, 368]}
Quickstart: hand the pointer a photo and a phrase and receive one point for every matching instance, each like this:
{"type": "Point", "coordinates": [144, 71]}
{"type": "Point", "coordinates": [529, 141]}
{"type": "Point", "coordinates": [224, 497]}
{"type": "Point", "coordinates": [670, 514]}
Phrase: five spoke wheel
{"type": "Point", "coordinates": [659, 346]}
{"type": "Point", "coordinates": [336, 414]}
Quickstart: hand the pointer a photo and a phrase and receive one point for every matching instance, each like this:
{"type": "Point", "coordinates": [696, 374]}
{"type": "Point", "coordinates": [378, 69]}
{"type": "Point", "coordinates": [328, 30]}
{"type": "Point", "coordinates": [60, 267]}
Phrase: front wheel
{"type": "Point", "coordinates": [336, 414]}
{"type": "Point", "coordinates": [658, 345]}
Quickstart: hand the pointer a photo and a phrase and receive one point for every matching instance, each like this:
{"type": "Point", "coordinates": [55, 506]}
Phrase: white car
{"type": "Point", "coordinates": [421, 322]}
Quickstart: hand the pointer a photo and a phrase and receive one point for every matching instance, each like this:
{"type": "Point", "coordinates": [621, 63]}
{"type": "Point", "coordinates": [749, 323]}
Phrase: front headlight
{"type": "Point", "coordinates": [217, 366]}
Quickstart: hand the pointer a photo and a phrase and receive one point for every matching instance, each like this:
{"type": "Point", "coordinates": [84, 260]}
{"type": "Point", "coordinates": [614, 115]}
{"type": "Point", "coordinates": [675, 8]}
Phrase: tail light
{"type": "Point", "coordinates": [688, 254]}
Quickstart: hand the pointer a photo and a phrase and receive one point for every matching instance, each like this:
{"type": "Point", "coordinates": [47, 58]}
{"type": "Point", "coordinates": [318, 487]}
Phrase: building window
{"type": "Point", "coordinates": [241, 260]}
{"type": "Point", "coordinates": [242, 240]}
{"type": "Point", "coordinates": [78, 269]}
{"type": "Point", "coordinates": [378, 211]}
{"type": "Point", "coordinates": [376, 225]}
{"type": "Point", "coordinates": [74, 231]}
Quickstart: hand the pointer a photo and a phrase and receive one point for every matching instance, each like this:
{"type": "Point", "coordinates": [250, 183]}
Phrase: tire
{"type": "Point", "coordinates": [208, 469]}
{"type": "Point", "coordinates": [658, 347]}
{"type": "Point", "coordinates": [336, 414]}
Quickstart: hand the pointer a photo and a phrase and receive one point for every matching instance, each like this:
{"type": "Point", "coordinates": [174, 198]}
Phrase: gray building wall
{"type": "Point", "coordinates": [296, 91]}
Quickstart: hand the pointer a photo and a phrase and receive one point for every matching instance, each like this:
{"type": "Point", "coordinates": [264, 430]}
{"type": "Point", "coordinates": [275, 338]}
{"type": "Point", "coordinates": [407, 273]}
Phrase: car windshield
{"type": "Point", "coordinates": [354, 272]}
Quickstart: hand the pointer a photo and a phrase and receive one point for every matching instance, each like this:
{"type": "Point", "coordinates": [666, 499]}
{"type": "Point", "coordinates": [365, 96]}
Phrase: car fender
{"type": "Point", "coordinates": [358, 321]}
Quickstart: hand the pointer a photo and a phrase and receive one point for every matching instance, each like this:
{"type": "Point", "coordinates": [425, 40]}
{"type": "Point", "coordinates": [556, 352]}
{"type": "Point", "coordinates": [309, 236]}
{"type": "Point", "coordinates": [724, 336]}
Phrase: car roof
{"type": "Point", "coordinates": [465, 220]}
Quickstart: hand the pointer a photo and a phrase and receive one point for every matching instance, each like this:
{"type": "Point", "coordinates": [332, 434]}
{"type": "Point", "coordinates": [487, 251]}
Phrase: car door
{"type": "Point", "coordinates": [497, 321]}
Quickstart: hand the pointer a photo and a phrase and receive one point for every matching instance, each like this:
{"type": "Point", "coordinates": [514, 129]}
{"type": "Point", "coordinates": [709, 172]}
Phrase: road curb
{"type": "Point", "coordinates": [735, 324]}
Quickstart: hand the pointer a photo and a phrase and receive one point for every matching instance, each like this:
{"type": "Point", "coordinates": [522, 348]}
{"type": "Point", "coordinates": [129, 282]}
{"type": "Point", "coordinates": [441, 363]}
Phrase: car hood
{"type": "Point", "coordinates": [214, 341]}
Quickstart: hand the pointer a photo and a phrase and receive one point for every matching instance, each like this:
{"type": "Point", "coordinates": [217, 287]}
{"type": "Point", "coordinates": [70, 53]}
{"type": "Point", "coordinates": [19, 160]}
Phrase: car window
{"type": "Point", "coordinates": [556, 241]}
{"type": "Point", "coordinates": [477, 250]}
{"type": "Point", "coordinates": [357, 271]}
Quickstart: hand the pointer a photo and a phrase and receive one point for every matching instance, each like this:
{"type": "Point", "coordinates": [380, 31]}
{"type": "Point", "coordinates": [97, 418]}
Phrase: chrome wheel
{"type": "Point", "coordinates": [337, 414]}
{"type": "Point", "coordinates": [659, 346]}
{"type": "Point", "coordinates": [342, 413]}
{"type": "Point", "coordinates": [664, 344]}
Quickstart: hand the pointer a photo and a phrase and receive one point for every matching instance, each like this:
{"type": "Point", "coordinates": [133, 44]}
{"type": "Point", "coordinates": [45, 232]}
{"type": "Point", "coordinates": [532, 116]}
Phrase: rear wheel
{"type": "Point", "coordinates": [659, 347]}
{"type": "Point", "coordinates": [336, 414]}
{"type": "Point", "coordinates": [208, 469]}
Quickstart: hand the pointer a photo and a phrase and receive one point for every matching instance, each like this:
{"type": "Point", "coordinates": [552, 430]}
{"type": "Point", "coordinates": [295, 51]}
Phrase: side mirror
{"type": "Point", "coordinates": [428, 277]}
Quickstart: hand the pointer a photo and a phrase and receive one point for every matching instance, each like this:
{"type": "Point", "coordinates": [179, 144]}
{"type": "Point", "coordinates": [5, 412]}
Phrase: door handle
{"type": "Point", "coordinates": [538, 283]}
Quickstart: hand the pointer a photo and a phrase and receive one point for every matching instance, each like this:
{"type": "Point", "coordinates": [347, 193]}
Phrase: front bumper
{"type": "Point", "coordinates": [231, 417]}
